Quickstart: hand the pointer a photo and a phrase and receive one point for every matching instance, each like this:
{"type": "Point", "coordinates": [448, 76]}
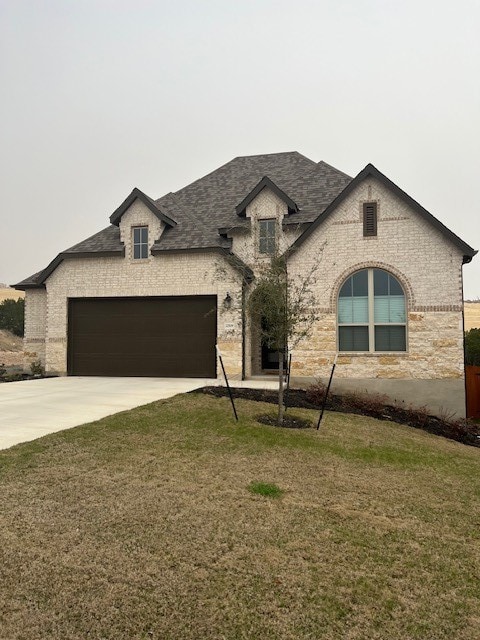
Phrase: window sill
{"type": "Point", "coordinates": [376, 354]}
{"type": "Point", "coordinates": [139, 260]}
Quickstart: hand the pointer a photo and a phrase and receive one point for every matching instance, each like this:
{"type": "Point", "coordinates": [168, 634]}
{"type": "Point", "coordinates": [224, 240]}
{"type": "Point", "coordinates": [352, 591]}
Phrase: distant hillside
{"type": "Point", "coordinates": [7, 293]}
{"type": "Point", "coordinates": [472, 315]}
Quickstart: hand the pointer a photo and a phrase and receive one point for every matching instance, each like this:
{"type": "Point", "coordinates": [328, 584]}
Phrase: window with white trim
{"type": "Point", "coordinates": [372, 313]}
{"type": "Point", "coordinates": [267, 236]}
{"type": "Point", "coordinates": [140, 243]}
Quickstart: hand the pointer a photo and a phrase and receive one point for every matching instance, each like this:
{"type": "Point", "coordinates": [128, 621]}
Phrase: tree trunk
{"type": "Point", "coordinates": [281, 407]}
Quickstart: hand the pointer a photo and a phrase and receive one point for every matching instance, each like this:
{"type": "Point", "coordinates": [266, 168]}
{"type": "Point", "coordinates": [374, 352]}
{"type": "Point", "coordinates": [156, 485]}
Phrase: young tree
{"type": "Point", "coordinates": [283, 311]}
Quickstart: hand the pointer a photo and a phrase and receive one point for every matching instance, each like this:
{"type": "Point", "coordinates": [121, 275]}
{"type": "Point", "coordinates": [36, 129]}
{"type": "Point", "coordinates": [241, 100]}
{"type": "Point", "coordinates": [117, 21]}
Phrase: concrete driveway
{"type": "Point", "coordinates": [33, 408]}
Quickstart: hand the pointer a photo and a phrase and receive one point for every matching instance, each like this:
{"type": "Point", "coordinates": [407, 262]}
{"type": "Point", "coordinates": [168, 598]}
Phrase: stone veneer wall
{"type": "Point", "coordinates": [427, 265]}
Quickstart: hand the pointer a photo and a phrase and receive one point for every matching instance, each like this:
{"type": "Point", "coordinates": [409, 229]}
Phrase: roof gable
{"type": "Point", "coordinates": [148, 202]}
{"type": "Point", "coordinates": [265, 182]}
{"type": "Point", "coordinates": [371, 171]}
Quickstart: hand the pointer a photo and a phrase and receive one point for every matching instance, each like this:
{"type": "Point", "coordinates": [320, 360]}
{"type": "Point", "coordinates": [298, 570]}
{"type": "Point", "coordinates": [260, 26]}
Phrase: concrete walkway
{"type": "Point", "coordinates": [34, 408]}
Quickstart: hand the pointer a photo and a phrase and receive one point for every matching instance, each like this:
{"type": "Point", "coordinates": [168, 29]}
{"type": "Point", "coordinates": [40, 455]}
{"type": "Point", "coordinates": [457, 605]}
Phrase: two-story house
{"type": "Point", "coordinates": [167, 280]}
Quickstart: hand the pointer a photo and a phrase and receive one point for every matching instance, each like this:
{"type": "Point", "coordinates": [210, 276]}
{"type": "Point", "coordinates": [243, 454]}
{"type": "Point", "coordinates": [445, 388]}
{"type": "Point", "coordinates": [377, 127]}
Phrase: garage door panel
{"type": "Point", "coordinates": [168, 337]}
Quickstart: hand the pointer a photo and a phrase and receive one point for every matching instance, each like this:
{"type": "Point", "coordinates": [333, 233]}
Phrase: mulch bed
{"type": "Point", "coordinates": [463, 431]}
{"type": "Point", "coordinates": [19, 377]}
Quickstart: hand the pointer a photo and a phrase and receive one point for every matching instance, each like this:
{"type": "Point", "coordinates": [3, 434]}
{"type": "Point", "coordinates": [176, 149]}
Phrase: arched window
{"type": "Point", "coordinates": [371, 313]}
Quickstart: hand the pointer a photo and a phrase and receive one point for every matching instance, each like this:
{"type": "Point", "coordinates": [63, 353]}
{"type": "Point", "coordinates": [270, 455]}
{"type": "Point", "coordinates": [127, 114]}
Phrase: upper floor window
{"type": "Point", "coordinates": [372, 313]}
{"type": "Point", "coordinates": [266, 236]}
{"type": "Point", "coordinates": [369, 218]}
{"type": "Point", "coordinates": [140, 243]}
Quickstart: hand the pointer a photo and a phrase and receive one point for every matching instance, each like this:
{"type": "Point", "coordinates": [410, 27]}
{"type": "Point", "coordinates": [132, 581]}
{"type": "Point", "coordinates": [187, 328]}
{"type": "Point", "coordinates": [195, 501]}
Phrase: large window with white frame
{"type": "Point", "coordinates": [140, 243]}
{"type": "Point", "coordinates": [372, 313]}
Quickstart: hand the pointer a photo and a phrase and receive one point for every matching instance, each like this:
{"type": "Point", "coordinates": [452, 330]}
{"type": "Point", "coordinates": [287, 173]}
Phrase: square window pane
{"type": "Point", "coordinates": [136, 235]}
{"type": "Point", "coordinates": [144, 235]}
{"type": "Point", "coordinates": [389, 309]}
{"type": "Point", "coordinates": [391, 338]}
{"type": "Point", "coordinates": [360, 283]}
{"type": "Point", "coordinates": [144, 250]}
{"type": "Point", "coordinates": [353, 338]}
{"type": "Point", "coordinates": [353, 310]}
{"type": "Point", "coordinates": [136, 251]}
{"type": "Point", "coordinates": [360, 310]}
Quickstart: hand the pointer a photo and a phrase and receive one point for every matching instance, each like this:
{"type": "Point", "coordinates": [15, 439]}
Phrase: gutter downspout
{"type": "Point", "coordinates": [464, 344]}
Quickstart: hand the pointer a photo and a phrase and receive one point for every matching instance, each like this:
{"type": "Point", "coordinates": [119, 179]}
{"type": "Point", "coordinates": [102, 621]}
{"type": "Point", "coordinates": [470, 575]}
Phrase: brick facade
{"type": "Point", "coordinates": [427, 265]}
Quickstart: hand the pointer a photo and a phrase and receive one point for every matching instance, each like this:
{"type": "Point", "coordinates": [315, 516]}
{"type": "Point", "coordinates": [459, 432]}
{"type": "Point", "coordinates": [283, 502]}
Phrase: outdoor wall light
{"type": "Point", "coordinates": [227, 303]}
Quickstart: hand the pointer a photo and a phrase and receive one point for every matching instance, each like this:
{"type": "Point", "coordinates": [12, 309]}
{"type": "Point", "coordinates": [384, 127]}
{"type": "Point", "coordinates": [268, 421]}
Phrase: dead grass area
{"type": "Point", "coordinates": [142, 525]}
{"type": "Point", "coordinates": [11, 349]}
{"type": "Point", "coordinates": [472, 315]}
{"type": "Point", "coordinates": [7, 293]}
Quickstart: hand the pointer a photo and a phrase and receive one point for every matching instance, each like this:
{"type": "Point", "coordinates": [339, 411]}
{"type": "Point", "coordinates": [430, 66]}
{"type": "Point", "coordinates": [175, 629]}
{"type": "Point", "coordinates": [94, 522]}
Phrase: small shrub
{"type": "Point", "coordinates": [315, 393]}
{"type": "Point", "coordinates": [36, 368]}
{"type": "Point", "coordinates": [12, 377]}
{"type": "Point", "coordinates": [3, 370]}
{"type": "Point", "coordinates": [265, 489]}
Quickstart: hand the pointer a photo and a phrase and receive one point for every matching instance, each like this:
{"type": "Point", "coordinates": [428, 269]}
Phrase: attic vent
{"type": "Point", "coordinates": [369, 218]}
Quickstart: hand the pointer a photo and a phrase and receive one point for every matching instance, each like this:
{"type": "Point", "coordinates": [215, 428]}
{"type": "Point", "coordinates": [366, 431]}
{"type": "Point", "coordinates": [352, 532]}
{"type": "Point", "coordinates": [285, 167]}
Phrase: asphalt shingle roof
{"type": "Point", "coordinates": [204, 206]}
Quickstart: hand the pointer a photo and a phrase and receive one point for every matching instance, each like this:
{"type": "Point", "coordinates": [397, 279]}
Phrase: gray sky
{"type": "Point", "coordinates": [99, 96]}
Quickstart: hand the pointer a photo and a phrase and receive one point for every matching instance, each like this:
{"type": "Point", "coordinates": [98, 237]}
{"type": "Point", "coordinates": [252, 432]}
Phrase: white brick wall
{"type": "Point", "coordinates": [139, 215]}
{"type": "Point", "coordinates": [35, 325]}
{"type": "Point", "coordinates": [428, 266]}
{"type": "Point", "coordinates": [165, 275]}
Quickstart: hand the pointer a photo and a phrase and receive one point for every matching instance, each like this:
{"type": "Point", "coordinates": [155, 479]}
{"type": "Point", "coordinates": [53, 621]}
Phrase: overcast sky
{"type": "Point", "coordinates": [100, 96]}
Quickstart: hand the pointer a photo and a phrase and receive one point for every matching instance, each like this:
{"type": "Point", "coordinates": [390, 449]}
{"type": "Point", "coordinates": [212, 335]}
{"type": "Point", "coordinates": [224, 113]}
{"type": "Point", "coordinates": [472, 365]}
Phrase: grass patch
{"type": "Point", "coordinates": [134, 527]}
{"type": "Point", "coordinates": [265, 489]}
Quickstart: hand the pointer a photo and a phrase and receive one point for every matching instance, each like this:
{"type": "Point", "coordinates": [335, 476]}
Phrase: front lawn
{"type": "Point", "coordinates": [156, 524]}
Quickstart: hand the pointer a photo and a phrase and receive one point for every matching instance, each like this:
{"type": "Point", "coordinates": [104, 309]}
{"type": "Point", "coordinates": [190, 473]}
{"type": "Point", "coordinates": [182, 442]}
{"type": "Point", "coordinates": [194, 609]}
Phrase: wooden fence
{"type": "Point", "coordinates": [473, 391]}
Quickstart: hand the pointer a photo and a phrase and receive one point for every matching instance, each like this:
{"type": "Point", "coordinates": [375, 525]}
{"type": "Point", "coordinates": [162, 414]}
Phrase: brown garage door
{"type": "Point", "coordinates": [166, 337]}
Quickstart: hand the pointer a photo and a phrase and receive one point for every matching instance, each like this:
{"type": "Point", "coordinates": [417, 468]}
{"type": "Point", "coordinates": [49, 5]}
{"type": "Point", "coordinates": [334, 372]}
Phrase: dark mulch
{"type": "Point", "coordinates": [464, 431]}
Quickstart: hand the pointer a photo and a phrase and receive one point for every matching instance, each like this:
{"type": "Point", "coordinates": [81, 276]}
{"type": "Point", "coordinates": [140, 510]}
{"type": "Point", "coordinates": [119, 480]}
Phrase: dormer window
{"type": "Point", "coordinates": [266, 236]}
{"type": "Point", "coordinates": [140, 243]}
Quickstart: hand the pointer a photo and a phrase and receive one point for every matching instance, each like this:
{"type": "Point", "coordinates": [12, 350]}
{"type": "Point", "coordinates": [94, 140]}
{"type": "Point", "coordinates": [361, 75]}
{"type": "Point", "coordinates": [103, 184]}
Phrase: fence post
{"type": "Point", "coordinates": [219, 354]}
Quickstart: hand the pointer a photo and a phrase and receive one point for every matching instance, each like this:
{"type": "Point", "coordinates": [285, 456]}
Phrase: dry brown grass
{"type": "Point", "coordinates": [6, 293]}
{"type": "Point", "coordinates": [142, 525]}
{"type": "Point", "coordinates": [472, 315]}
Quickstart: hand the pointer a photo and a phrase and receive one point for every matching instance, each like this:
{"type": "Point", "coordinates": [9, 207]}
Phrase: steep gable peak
{"type": "Point", "coordinates": [264, 183]}
{"type": "Point", "coordinates": [136, 194]}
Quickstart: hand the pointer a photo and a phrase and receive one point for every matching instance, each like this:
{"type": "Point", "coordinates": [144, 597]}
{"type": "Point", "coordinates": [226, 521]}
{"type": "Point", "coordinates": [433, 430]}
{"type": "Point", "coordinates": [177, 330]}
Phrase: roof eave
{"type": "Point", "coordinates": [23, 287]}
{"type": "Point", "coordinates": [372, 171]}
{"type": "Point", "coordinates": [65, 255]}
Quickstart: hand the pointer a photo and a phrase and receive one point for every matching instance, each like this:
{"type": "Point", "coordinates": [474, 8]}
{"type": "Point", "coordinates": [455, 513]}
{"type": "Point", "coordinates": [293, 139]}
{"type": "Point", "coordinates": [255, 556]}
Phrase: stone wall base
{"type": "Point", "coordinates": [444, 398]}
